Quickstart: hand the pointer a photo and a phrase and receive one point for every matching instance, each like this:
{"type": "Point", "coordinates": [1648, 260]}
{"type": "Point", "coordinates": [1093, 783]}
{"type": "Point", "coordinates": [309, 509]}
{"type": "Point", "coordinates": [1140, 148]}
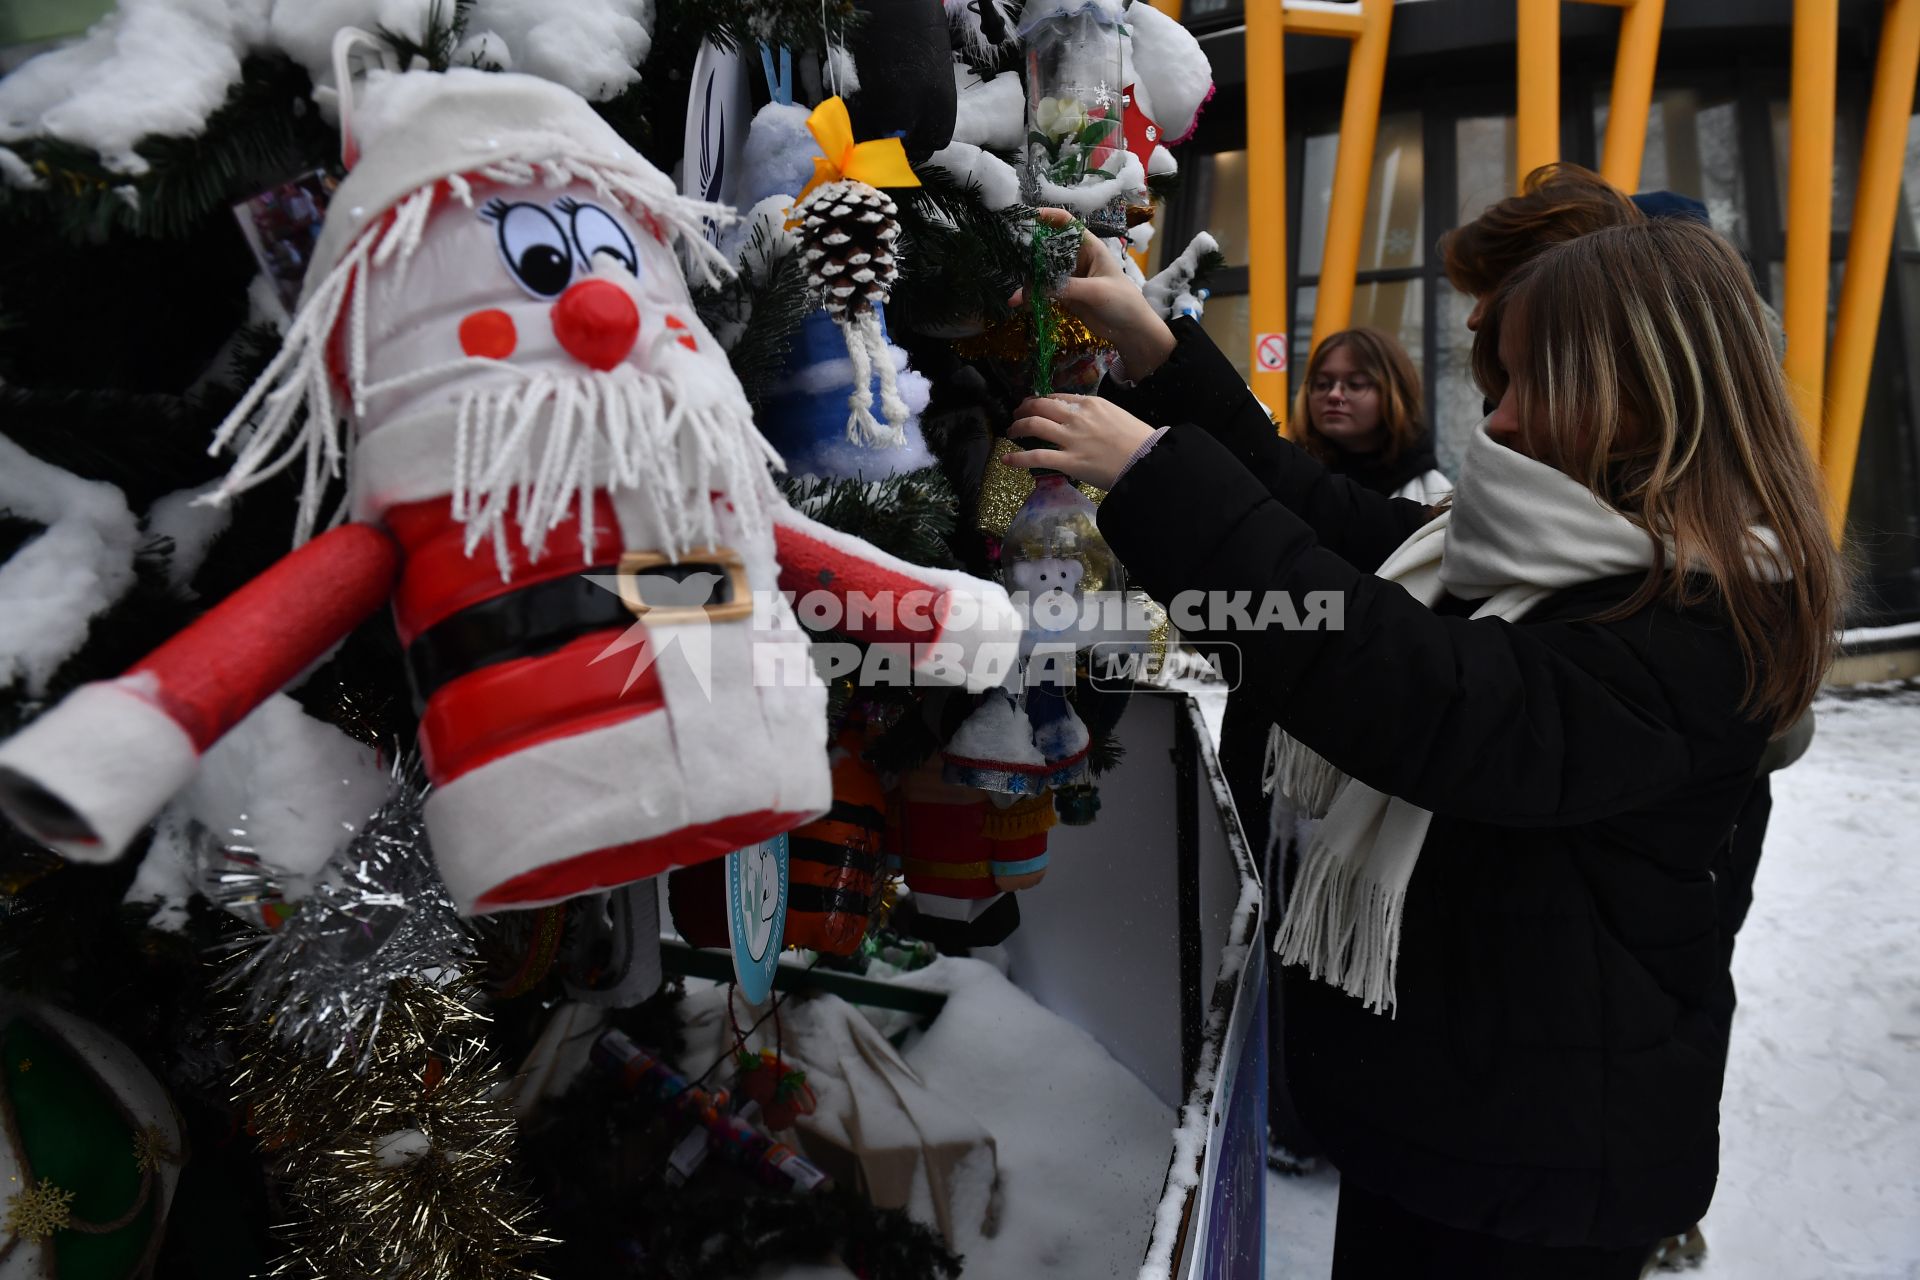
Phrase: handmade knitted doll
{"type": "Point", "coordinates": [551, 464]}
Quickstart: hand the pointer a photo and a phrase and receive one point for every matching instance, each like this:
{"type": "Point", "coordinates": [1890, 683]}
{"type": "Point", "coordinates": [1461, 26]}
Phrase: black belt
{"type": "Point", "coordinates": [546, 616]}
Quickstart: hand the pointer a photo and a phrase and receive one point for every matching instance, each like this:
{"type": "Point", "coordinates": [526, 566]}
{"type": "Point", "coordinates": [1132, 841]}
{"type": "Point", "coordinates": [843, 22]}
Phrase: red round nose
{"type": "Point", "coordinates": [596, 322]}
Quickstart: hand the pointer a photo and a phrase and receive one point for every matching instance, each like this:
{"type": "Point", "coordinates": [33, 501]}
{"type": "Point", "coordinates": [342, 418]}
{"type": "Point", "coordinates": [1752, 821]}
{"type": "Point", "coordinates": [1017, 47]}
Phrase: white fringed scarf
{"type": "Point", "coordinates": [1518, 531]}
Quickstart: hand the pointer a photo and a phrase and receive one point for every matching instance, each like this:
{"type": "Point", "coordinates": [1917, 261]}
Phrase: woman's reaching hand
{"type": "Point", "coordinates": [1111, 305]}
{"type": "Point", "coordinates": [1096, 438]}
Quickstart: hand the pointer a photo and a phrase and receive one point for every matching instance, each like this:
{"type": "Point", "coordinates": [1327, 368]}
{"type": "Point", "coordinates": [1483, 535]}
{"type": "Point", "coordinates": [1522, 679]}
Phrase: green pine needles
{"type": "Point", "coordinates": [266, 132]}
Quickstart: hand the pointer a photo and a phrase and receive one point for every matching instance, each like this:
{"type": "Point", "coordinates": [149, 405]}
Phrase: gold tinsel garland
{"type": "Point", "coordinates": [1004, 490]}
{"type": "Point", "coordinates": [1161, 637]}
{"type": "Point", "coordinates": [402, 1169]}
{"type": "Point", "coordinates": [1010, 341]}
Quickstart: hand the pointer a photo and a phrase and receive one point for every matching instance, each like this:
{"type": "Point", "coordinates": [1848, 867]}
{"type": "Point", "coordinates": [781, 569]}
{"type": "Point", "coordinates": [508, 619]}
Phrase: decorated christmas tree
{"type": "Point", "coordinates": [444, 452]}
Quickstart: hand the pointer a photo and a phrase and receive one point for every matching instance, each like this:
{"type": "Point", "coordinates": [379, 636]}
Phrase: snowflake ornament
{"type": "Point", "coordinates": [35, 1214]}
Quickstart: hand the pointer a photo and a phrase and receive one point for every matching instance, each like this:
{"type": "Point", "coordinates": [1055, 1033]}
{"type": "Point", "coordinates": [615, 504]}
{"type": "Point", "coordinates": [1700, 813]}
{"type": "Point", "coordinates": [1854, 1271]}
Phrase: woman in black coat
{"type": "Point", "coordinates": [1359, 414]}
{"type": "Point", "coordinates": [1530, 737]}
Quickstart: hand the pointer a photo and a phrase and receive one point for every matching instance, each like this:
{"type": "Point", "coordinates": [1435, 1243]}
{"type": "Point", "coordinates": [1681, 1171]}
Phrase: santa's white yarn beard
{"type": "Point", "coordinates": [673, 435]}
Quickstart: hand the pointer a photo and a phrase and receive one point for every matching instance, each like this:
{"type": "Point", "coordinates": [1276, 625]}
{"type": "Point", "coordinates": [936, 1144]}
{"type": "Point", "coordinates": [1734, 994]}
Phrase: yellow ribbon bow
{"type": "Point", "coordinates": [881, 162]}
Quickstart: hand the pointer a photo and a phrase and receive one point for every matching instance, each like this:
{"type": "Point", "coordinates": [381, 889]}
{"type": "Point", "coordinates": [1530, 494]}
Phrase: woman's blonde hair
{"type": "Point", "coordinates": [1381, 357]}
{"type": "Point", "coordinates": [1645, 372]}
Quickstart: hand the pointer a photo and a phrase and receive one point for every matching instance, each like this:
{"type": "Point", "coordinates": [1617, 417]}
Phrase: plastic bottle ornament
{"type": "Point", "coordinates": [834, 861]}
{"type": "Point", "coordinates": [1054, 553]}
{"type": "Point", "coordinates": [1080, 372]}
{"type": "Point", "coordinates": [1076, 104]}
{"type": "Point", "coordinates": [1004, 491]}
{"type": "Point", "coordinates": [955, 846]}
{"type": "Point", "coordinates": [1026, 737]}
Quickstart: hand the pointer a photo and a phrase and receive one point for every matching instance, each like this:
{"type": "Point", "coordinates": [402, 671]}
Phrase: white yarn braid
{"type": "Point", "coordinates": [867, 349]}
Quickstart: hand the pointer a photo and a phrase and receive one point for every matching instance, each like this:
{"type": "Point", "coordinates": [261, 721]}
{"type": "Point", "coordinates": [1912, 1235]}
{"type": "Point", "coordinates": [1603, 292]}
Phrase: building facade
{"type": "Point", "coordinates": [1717, 131]}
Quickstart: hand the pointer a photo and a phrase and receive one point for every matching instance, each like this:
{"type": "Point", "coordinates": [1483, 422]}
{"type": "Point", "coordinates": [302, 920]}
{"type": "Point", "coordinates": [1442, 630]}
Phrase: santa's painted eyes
{"type": "Point", "coordinates": [541, 245]}
{"type": "Point", "coordinates": [595, 232]}
{"type": "Point", "coordinates": [536, 250]}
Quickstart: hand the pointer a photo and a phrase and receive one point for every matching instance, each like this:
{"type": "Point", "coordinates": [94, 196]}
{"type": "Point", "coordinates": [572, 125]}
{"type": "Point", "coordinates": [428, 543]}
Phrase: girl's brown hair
{"type": "Point", "coordinates": [1644, 371]}
{"type": "Point", "coordinates": [1381, 357]}
{"type": "Point", "coordinates": [1558, 202]}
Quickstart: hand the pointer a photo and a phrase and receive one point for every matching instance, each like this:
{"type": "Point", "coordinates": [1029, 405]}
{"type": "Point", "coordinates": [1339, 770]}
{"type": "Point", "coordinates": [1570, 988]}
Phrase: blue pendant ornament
{"type": "Point", "coordinates": [757, 914]}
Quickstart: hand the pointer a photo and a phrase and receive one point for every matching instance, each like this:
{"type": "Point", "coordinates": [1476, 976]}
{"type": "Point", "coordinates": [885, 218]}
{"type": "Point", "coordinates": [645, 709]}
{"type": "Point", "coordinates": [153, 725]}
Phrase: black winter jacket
{"type": "Point", "coordinates": [1553, 1070]}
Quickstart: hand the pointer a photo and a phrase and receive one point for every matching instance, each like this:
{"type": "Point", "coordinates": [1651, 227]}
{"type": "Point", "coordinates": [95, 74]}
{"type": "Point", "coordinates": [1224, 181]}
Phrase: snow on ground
{"type": "Point", "coordinates": [1300, 1224]}
{"type": "Point", "coordinates": [1820, 1122]}
{"type": "Point", "coordinates": [1083, 1144]}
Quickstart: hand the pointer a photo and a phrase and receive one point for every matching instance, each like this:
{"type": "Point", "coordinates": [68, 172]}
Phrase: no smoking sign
{"type": "Point", "coordinates": [1270, 352]}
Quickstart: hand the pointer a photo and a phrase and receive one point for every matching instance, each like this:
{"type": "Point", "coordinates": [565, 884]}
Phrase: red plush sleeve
{"type": "Point", "coordinates": [212, 674]}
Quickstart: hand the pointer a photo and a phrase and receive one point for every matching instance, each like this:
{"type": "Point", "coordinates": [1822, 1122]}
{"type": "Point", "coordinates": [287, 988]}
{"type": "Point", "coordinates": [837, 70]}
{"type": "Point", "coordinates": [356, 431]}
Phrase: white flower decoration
{"type": "Point", "coordinates": [1060, 117]}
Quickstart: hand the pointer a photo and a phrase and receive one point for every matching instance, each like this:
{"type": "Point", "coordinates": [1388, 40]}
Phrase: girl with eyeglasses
{"type": "Point", "coordinates": [1358, 413]}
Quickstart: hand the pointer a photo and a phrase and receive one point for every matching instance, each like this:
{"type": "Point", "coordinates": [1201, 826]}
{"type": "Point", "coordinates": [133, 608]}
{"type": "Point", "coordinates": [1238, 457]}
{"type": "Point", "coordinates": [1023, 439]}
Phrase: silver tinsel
{"type": "Point", "coordinates": [378, 914]}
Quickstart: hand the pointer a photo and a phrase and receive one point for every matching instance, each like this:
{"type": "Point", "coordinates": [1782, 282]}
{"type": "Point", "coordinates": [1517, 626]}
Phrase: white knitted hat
{"type": "Point", "coordinates": [415, 128]}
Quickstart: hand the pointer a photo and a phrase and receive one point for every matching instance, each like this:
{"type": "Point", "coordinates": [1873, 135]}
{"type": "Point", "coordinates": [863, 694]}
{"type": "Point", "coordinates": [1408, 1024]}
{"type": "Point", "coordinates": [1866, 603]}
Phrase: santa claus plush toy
{"type": "Point", "coordinates": [551, 464]}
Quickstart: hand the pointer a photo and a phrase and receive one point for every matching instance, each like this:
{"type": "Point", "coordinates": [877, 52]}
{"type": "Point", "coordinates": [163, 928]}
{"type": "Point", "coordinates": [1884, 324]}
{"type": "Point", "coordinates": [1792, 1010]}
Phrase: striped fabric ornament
{"type": "Point", "coordinates": [833, 863]}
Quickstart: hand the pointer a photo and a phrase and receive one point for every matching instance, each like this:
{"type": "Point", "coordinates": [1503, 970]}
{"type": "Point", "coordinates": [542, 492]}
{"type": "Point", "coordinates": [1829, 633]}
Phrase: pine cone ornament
{"type": "Point", "coordinates": [849, 229]}
{"type": "Point", "coordinates": [847, 233]}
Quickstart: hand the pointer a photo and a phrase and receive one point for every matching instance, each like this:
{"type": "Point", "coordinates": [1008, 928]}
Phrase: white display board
{"type": "Point", "coordinates": [1101, 944]}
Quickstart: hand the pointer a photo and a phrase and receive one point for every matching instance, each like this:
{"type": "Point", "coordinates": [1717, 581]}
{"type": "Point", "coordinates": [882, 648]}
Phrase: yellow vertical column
{"type": "Point", "coordinates": [1876, 207]}
{"type": "Point", "coordinates": [1537, 117]}
{"type": "Point", "coordinates": [1267, 200]}
{"type": "Point", "coordinates": [1816, 40]}
{"type": "Point", "coordinates": [1632, 96]}
{"type": "Point", "coordinates": [1353, 168]}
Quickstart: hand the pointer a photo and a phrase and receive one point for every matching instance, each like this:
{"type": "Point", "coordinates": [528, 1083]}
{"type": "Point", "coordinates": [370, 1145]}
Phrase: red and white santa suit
{"type": "Point", "coordinates": [555, 481]}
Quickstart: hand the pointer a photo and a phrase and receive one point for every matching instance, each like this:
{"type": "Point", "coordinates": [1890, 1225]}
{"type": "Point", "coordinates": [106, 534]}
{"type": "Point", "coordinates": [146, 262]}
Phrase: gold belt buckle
{"type": "Point", "coordinates": [726, 564]}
